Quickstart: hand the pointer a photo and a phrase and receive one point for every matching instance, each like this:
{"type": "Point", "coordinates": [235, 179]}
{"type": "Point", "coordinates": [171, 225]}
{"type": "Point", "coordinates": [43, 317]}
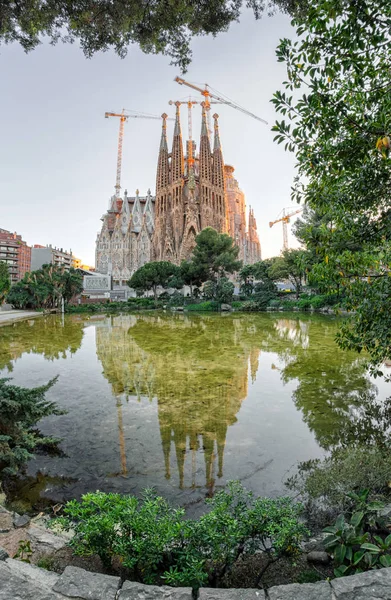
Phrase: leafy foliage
{"type": "Point", "coordinates": [5, 281]}
{"type": "Point", "coordinates": [337, 104]}
{"type": "Point", "coordinates": [329, 482]}
{"type": "Point", "coordinates": [221, 291]}
{"type": "Point", "coordinates": [355, 542]}
{"type": "Point", "coordinates": [45, 287]}
{"type": "Point", "coordinates": [156, 27]}
{"type": "Point", "coordinates": [156, 543]}
{"type": "Point", "coordinates": [153, 275]}
{"type": "Point", "coordinates": [215, 255]}
{"type": "Point", "coordinates": [290, 265]}
{"type": "Point", "coordinates": [20, 411]}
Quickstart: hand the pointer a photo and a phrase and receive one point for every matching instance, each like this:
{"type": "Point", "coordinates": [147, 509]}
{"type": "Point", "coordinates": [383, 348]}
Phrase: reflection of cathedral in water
{"type": "Point", "coordinates": [198, 375]}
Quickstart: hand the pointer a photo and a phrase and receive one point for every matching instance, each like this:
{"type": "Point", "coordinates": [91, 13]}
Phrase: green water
{"type": "Point", "coordinates": [186, 403]}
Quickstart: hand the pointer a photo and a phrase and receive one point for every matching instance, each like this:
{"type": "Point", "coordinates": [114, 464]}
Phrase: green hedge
{"type": "Point", "coordinates": [210, 306]}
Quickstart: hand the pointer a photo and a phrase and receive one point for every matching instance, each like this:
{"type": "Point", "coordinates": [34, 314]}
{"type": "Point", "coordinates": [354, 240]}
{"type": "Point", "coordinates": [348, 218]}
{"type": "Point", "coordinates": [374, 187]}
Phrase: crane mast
{"type": "Point", "coordinates": [285, 219]}
{"type": "Point", "coordinates": [123, 117]}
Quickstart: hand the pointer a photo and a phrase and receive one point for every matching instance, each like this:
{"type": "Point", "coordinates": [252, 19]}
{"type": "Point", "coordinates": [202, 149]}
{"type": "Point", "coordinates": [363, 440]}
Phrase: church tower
{"type": "Point", "coordinates": [190, 192]}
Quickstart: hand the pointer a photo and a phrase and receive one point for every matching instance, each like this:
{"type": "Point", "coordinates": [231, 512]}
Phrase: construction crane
{"type": "Point", "coordinates": [207, 94]}
{"type": "Point", "coordinates": [285, 219]}
{"type": "Point", "coordinates": [190, 103]}
{"type": "Point", "coordinates": [123, 117]}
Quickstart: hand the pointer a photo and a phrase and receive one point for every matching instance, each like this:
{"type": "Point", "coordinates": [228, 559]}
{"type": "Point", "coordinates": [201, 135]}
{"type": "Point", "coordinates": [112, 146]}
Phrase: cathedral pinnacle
{"type": "Point", "coordinates": [217, 143]}
{"type": "Point", "coordinates": [177, 129]}
{"type": "Point", "coordinates": [204, 127]}
{"type": "Point", "coordinates": [163, 141]}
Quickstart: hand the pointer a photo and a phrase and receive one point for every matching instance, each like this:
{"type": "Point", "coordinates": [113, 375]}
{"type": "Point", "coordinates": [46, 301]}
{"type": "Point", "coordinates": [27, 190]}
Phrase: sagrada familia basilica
{"type": "Point", "coordinates": [193, 191]}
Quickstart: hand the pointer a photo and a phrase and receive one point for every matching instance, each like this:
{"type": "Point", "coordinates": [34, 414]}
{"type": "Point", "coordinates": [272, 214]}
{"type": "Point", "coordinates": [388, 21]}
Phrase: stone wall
{"type": "Point", "coordinates": [22, 581]}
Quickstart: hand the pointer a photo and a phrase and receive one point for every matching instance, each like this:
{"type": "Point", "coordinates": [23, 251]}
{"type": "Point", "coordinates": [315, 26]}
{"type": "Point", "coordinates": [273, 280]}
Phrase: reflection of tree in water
{"type": "Point", "coordinates": [338, 401]}
{"type": "Point", "coordinates": [196, 367]}
{"type": "Point", "coordinates": [50, 336]}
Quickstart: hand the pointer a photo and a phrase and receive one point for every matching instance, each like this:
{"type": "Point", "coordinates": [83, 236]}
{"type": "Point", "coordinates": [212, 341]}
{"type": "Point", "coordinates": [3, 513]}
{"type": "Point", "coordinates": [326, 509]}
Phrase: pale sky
{"type": "Point", "coordinates": [58, 153]}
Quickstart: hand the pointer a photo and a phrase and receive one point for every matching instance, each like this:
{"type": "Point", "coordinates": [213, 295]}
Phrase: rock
{"type": "Point", "coordinates": [226, 307]}
{"type": "Point", "coordinates": [45, 541]}
{"type": "Point", "coordinates": [301, 591]}
{"type": "Point", "coordinates": [319, 557]}
{"type": "Point", "coordinates": [372, 585]}
{"type": "Point", "coordinates": [78, 583]}
{"type": "Point", "coordinates": [21, 520]}
{"type": "Point", "coordinates": [22, 581]}
{"type": "Point", "coordinates": [3, 554]}
{"type": "Point", "coordinates": [6, 521]}
{"type": "Point", "coordinates": [137, 591]}
{"type": "Point", "coordinates": [313, 544]}
{"type": "Point", "coordinates": [231, 594]}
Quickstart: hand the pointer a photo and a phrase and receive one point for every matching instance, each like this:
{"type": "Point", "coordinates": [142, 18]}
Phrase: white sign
{"type": "Point", "coordinates": [97, 282]}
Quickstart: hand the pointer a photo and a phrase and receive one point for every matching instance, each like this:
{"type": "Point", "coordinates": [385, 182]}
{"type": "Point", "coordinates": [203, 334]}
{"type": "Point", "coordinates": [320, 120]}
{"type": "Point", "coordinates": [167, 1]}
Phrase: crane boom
{"type": "Point", "coordinates": [123, 117]}
{"type": "Point", "coordinates": [286, 217]}
{"type": "Point", "coordinates": [208, 94]}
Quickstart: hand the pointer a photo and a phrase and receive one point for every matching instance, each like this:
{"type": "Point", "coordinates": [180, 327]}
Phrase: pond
{"type": "Point", "coordinates": [186, 403]}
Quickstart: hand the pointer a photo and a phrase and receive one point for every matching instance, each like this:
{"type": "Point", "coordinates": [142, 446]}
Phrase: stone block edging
{"type": "Point", "coordinates": [28, 582]}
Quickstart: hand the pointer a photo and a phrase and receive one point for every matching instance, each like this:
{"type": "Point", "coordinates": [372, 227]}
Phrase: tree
{"type": "Point", "coordinates": [5, 281]}
{"type": "Point", "coordinates": [45, 287]}
{"type": "Point", "coordinates": [215, 255]}
{"type": "Point", "coordinates": [338, 109]}
{"type": "Point", "coordinates": [221, 290]}
{"type": "Point", "coordinates": [290, 265]}
{"type": "Point", "coordinates": [157, 27]}
{"type": "Point", "coordinates": [20, 411]}
{"type": "Point", "coordinates": [153, 275]}
{"type": "Point", "coordinates": [191, 275]}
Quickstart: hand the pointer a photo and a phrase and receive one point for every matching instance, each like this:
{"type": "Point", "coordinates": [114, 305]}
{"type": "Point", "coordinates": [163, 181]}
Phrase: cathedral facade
{"type": "Point", "coordinates": [193, 191]}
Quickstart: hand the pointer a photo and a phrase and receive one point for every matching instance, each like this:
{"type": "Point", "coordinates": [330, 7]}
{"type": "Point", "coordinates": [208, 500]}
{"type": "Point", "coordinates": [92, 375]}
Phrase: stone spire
{"type": "Point", "coordinates": [177, 161]}
{"type": "Point", "coordinates": [218, 163]}
{"type": "Point", "coordinates": [163, 169]}
{"type": "Point", "coordinates": [205, 153]}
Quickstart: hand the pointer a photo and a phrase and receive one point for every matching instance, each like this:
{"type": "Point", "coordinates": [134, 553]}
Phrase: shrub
{"type": "Point", "coordinates": [155, 542]}
{"type": "Point", "coordinates": [288, 304]}
{"type": "Point", "coordinates": [274, 303]}
{"type": "Point", "coordinates": [237, 304]}
{"type": "Point", "coordinates": [250, 306]}
{"type": "Point", "coordinates": [209, 306]}
{"type": "Point", "coordinates": [329, 482]}
{"type": "Point", "coordinates": [304, 303]}
{"type": "Point", "coordinates": [359, 543]}
{"type": "Point", "coordinates": [20, 409]}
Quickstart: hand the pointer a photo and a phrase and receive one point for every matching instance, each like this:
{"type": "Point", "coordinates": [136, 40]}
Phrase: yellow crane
{"type": "Point", "coordinates": [208, 95]}
{"type": "Point", "coordinates": [123, 117]}
{"type": "Point", "coordinates": [285, 219]}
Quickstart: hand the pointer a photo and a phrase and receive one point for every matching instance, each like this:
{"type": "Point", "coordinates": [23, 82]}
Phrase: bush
{"type": "Point", "coordinates": [329, 482]}
{"type": "Point", "coordinates": [304, 303]}
{"type": "Point", "coordinates": [210, 306]}
{"type": "Point", "coordinates": [157, 544]}
{"type": "Point", "coordinates": [275, 303]}
{"type": "Point", "coordinates": [250, 306]}
{"type": "Point", "coordinates": [288, 304]}
{"type": "Point", "coordinates": [21, 409]}
{"type": "Point", "coordinates": [360, 542]}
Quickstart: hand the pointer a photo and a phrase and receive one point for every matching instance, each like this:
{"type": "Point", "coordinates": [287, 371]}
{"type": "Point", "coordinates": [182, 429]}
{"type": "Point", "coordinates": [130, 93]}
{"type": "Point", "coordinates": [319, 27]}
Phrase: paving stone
{"type": "Point", "coordinates": [137, 591]}
{"type": "Point", "coordinates": [231, 594]}
{"type": "Point", "coordinates": [21, 520]}
{"type": "Point", "coordinates": [3, 554]}
{"type": "Point", "coordinates": [301, 591]}
{"type": "Point", "coordinates": [316, 556]}
{"type": "Point", "coordinates": [45, 541]}
{"type": "Point", "coordinates": [6, 521]}
{"type": "Point", "coordinates": [78, 583]}
{"type": "Point", "coordinates": [22, 581]}
{"type": "Point", "coordinates": [372, 585]}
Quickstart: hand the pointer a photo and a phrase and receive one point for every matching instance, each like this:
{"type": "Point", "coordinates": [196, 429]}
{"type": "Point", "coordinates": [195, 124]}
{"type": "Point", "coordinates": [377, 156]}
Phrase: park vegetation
{"type": "Point", "coordinates": [45, 288]}
{"type": "Point", "coordinates": [20, 411]}
{"type": "Point", "coordinates": [156, 544]}
{"type": "Point", "coordinates": [5, 281]}
{"type": "Point", "coordinates": [157, 27]}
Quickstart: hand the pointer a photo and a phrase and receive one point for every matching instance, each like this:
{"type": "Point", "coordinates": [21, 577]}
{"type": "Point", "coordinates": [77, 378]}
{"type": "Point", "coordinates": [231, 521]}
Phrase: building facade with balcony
{"type": "Point", "coordinates": [15, 253]}
{"type": "Point", "coordinates": [49, 255]}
